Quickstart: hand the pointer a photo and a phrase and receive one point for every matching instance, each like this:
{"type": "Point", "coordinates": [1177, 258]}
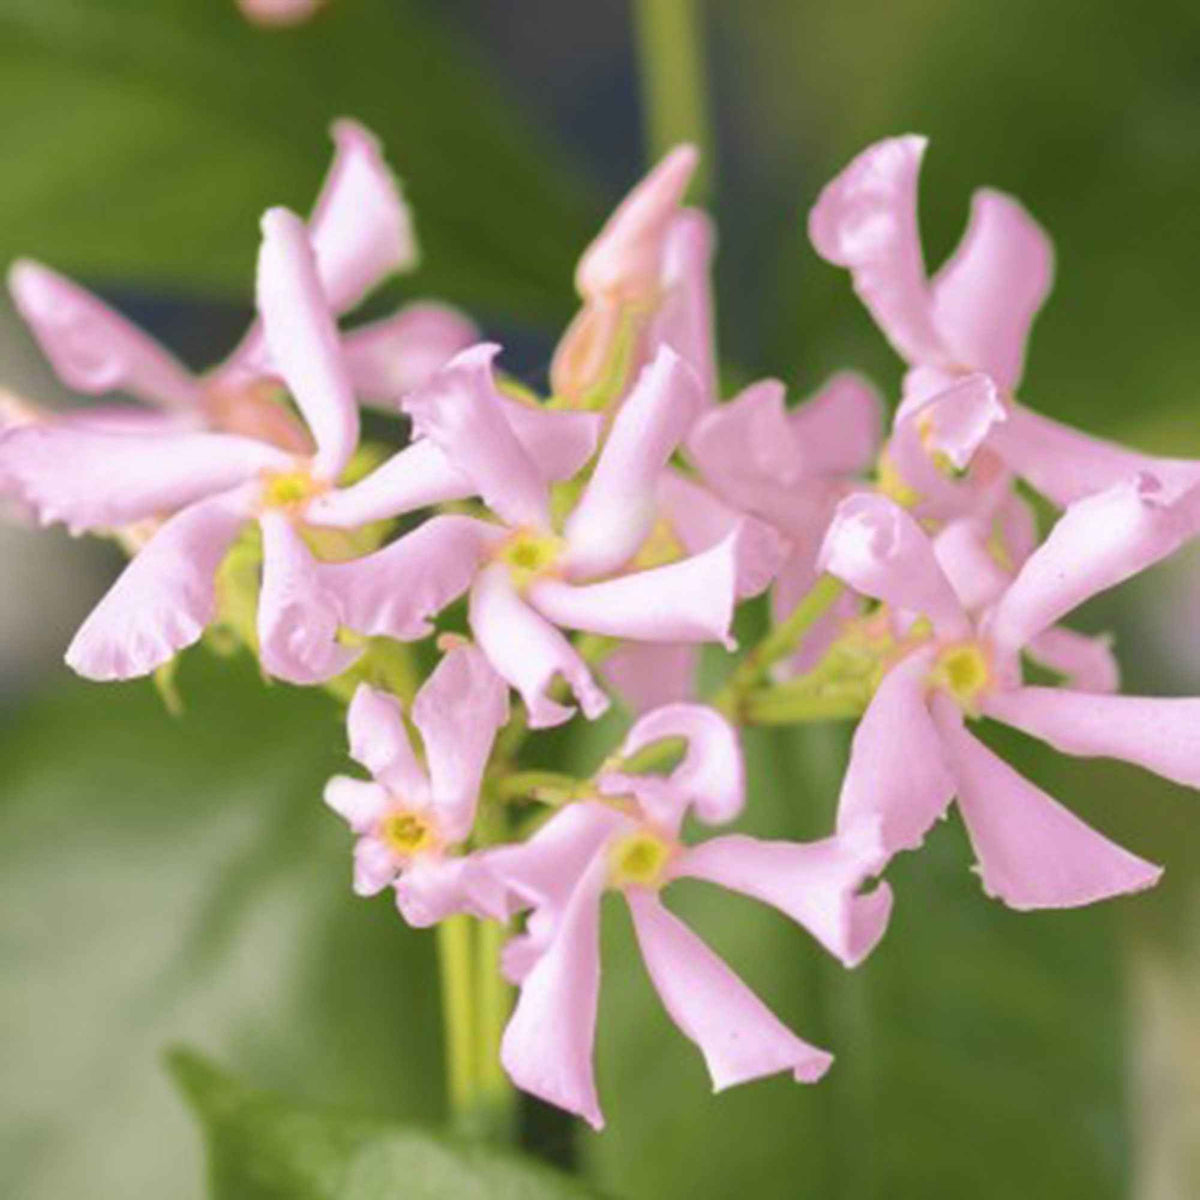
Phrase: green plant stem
{"type": "Point", "coordinates": [455, 955]}
{"type": "Point", "coordinates": [494, 997]}
{"type": "Point", "coordinates": [672, 70]}
{"type": "Point", "coordinates": [781, 641]}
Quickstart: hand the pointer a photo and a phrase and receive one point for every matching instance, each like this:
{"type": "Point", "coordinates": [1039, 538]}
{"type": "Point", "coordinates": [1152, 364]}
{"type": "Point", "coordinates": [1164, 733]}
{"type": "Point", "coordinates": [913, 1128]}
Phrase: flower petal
{"type": "Point", "coordinates": [432, 888]}
{"type": "Point", "coordinates": [458, 711]}
{"type": "Point", "coordinates": [1032, 852]}
{"type": "Point", "coordinates": [839, 429]}
{"type": "Point", "coordinates": [359, 802]}
{"type": "Point", "coordinates": [687, 601]}
{"type": "Point", "coordinates": [165, 597]}
{"type": "Point", "coordinates": [375, 866]}
{"type": "Point", "coordinates": [298, 618]}
{"type": "Point", "coordinates": [987, 293]}
{"type": "Point", "coordinates": [1158, 733]}
{"type": "Point", "coordinates": [740, 1038]}
{"type": "Point", "coordinates": [547, 1046]}
{"type": "Point", "coordinates": [866, 221]}
{"type": "Point", "coordinates": [395, 591]}
{"type": "Point", "coordinates": [458, 410]}
{"type": "Point", "coordinates": [1096, 544]}
{"type": "Point", "coordinates": [748, 438]}
{"type": "Point", "coordinates": [560, 442]}
{"type": "Point", "coordinates": [398, 354]}
{"type": "Point", "coordinates": [897, 777]}
{"type": "Point", "coordinates": [92, 348]}
{"type": "Point", "coordinates": [649, 674]}
{"type": "Point", "coordinates": [966, 558]}
{"type": "Point", "coordinates": [380, 742]}
{"type": "Point", "coordinates": [94, 479]}
{"type": "Point", "coordinates": [529, 652]}
{"type": "Point", "coordinates": [817, 884]}
{"type": "Point", "coordinates": [303, 340]}
{"type": "Point", "coordinates": [1086, 663]}
{"type": "Point", "coordinates": [879, 550]}
{"type": "Point", "coordinates": [617, 509]}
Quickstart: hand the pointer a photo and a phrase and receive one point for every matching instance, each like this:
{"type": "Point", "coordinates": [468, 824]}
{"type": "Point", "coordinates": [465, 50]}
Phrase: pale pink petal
{"type": "Point", "coordinates": [1161, 734]}
{"type": "Point", "coordinates": [98, 480]}
{"type": "Point", "coordinates": [380, 742]}
{"type": "Point", "coordinates": [432, 888]}
{"type": "Point", "coordinates": [165, 597]}
{"type": "Point", "coordinates": [93, 348]}
{"type": "Point", "coordinates": [1086, 663]}
{"type": "Point", "coordinates": [395, 592]}
{"type": "Point", "coordinates": [648, 674]}
{"type": "Point", "coordinates": [626, 258]}
{"type": "Point", "coordinates": [298, 618]}
{"type": "Point", "coordinates": [375, 866]}
{"type": "Point", "coordinates": [120, 418]}
{"type": "Point", "coordinates": [458, 410]}
{"type": "Point", "coordinates": [559, 441]}
{"type": "Point", "coordinates": [547, 1046]}
{"type": "Point", "coordinates": [1032, 852]}
{"type": "Point", "coordinates": [617, 509]}
{"type": "Point", "coordinates": [866, 221]}
{"type": "Point", "coordinates": [1066, 465]}
{"type": "Point", "coordinates": [795, 580]}
{"type": "Point", "coordinates": [965, 555]}
{"type": "Point", "coordinates": [684, 320]}
{"type": "Point", "coordinates": [817, 884]}
{"type": "Point", "coordinates": [458, 711]}
{"type": "Point", "coordinates": [398, 354]}
{"type": "Point", "coordinates": [839, 429]}
{"type": "Point", "coordinates": [529, 652]}
{"type": "Point", "coordinates": [711, 778]}
{"type": "Point", "coordinates": [740, 1038]}
{"type": "Point", "coordinates": [1096, 544]}
{"type": "Point", "coordinates": [749, 437]}
{"type": "Point", "coordinates": [879, 550]}
{"type": "Point", "coordinates": [987, 293]}
{"type": "Point", "coordinates": [897, 778]}
{"type": "Point", "coordinates": [359, 802]}
{"type": "Point", "coordinates": [687, 601]}
{"type": "Point", "coordinates": [418, 476]}
{"type": "Point", "coordinates": [303, 340]}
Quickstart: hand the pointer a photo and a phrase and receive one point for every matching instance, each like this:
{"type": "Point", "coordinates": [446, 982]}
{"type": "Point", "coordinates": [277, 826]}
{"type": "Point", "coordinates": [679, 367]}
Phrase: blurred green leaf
{"type": "Point", "coordinates": [263, 1147]}
{"type": "Point", "coordinates": [143, 138]}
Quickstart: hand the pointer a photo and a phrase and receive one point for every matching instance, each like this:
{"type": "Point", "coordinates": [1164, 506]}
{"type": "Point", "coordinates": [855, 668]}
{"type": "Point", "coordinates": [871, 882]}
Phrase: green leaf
{"type": "Point", "coordinates": [263, 1147]}
{"type": "Point", "coordinates": [143, 138]}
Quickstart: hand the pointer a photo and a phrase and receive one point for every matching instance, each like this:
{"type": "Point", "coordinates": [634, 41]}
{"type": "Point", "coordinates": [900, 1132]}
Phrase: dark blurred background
{"type": "Point", "coordinates": [168, 880]}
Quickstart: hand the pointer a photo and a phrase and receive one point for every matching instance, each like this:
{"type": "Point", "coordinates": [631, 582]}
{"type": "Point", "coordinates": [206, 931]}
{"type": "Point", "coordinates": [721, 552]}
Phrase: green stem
{"type": "Point", "coordinates": [547, 787]}
{"type": "Point", "coordinates": [455, 955]}
{"type": "Point", "coordinates": [671, 66]}
{"type": "Point", "coordinates": [496, 1096]}
{"type": "Point", "coordinates": [781, 641]}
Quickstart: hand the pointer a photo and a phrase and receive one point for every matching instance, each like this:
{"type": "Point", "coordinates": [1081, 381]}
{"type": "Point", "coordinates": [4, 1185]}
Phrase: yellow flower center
{"type": "Point", "coordinates": [890, 483]}
{"type": "Point", "coordinates": [530, 555]}
{"type": "Point", "coordinates": [638, 860]}
{"type": "Point", "coordinates": [964, 671]}
{"type": "Point", "coordinates": [407, 833]}
{"type": "Point", "coordinates": [287, 489]}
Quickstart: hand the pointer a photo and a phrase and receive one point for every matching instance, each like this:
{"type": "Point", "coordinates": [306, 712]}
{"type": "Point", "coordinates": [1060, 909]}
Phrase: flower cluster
{"type": "Point", "coordinates": [589, 544]}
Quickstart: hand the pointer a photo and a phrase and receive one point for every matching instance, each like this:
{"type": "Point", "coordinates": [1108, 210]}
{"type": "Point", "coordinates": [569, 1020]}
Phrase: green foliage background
{"type": "Point", "coordinates": [168, 882]}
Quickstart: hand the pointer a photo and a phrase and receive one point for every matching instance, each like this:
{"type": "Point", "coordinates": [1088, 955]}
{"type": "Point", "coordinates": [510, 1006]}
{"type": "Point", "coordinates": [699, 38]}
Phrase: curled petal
{"type": "Point", "coordinates": [303, 339]}
{"type": "Point", "coordinates": [617, 509]}
{"type": "Point", "coordinates": [711, 777]}
{"type": "Point", "coordinates": [649, 674]}
{"type": "Point", "coordinates": [375, 866]}
{"type": "Point", "coordinates": [529, 652]}
{"type": "Point", "coordinates": [95, 479]}
{"type": "Point", "coordinates": [839, 429]}
{"type": "Point", "coordinates": [379, 740]}
{"type": "Point", "coordinates": [1157, 733]}
{"type": "Point", "coordinates": [165, 597]}
{"type": "Point", "coordinates": [298, 619]}
{"type": "Point", "coordinates": [1096, 544]}
{"type": "Point", "coordinates": [687, 601]}
{"type": "Point", "coordinates": [459, 410]}
{"type": "Point", "coordinates": [433, 888]}
{"type": "Point", "coordinates": [1086, 663]}
{"type": "Point", "coordinates": [398, 354]}
{"type": "Point", "coordinates": [458, 711]}
{"type": "Point", "coordinates": [897, 778]}
{"type": "Point", "coordinates": [560, 442]}
{"type": "Point", "coordinates": [626, 258]}
{"type": "Point", "coordinates": [987, 293]}
{"type": "Point", "coordinates": [359, 802]}
{"type": "Point", "coordinates": [740, 1038]}
{"type": "Point", "coordinates": [92, 348]}
{"type": "Point", "coordinates": [817, 884]}
{"type": "Point", "coordinates": [866, 221]}
{"type": "Point", "coordinates": [968, 562]}
{"type": "Point", "coordinates": [1032, 852]}
{"type": "Point", "coordinates": [547, 1046]}
{"type": "Point", "coordinates": [879, 550]}
{"type": "Point", "coordinates": [748, 438]}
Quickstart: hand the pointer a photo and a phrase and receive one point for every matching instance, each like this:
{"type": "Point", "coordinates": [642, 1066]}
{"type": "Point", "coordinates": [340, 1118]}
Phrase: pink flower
{"type": "Point", "coordinates": [628, 840]}
{"type": "Point", "coordinates": [537, 570]}
{"type": "Point", "coordinates": [962, 333]}
{"type": "Point", "coordinates": [409, 818]}
{"type": "Point", "coordinates": [911, 753]}
{"type": "Point", "coordinates": [279, 12]}
{"type": "Point", "coordinates": [362, 233]}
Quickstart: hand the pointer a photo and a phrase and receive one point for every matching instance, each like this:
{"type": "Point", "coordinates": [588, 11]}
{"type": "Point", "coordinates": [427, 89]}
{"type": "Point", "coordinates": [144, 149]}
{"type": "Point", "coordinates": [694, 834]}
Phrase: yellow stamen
{"type": "Point", "coordinates": [662, 546]}
{"type": "Point", "coordinates": [638, 860]}
{"type": "Point", "coordinates": [964, 671]}
{"type": "Point", "coordinates": [407, 833]}
{"type": "Point", "coordinates": [889, 482]}
{"type": "Point", "coordinates": [287, 489]}
{"type": "Point", "coordinates": [529, 555]}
